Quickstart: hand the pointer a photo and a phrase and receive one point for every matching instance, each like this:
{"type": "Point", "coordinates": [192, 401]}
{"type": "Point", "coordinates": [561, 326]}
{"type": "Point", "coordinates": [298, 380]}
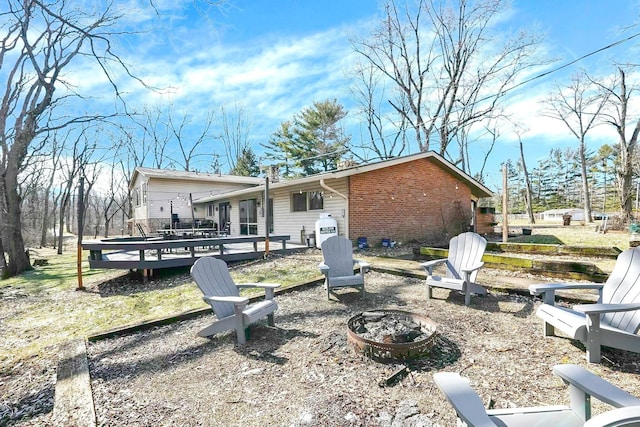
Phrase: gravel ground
{"type": "Point", "coordinates": [304, 373]}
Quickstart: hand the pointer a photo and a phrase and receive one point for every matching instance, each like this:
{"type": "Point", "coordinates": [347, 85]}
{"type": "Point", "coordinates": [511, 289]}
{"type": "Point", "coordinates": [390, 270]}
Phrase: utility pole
{"type": "Point", "coordinates": [505, 206]}
{"type": "Point", "coordinates": [265, 206]}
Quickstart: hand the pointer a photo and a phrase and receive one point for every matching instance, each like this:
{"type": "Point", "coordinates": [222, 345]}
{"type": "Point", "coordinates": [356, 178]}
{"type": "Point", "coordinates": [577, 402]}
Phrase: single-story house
{"type": "Point", "coordinates": [415, 197]}
{"type": "Point", "coordinates": [577, 214]}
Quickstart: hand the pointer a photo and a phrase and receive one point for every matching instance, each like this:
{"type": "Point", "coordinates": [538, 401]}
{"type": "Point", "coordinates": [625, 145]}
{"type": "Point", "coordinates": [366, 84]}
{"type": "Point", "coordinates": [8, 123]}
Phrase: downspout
{"type": "Point", "coordinates": [346, 213]}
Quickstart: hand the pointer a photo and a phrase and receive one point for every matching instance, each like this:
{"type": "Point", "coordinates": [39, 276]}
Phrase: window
{"type": "Point", "coordinates": [144, 194]}
{"type": "Point", "coordinates": [136, 197]}
{"type": "Point", "coordinates": [316, 201]}
{"type": "Point", "coordinates": [210, 209]}
{"type": "Point", "coordinates": [299, 202]}
{"type": "Point", "coordinates": [303, 201]}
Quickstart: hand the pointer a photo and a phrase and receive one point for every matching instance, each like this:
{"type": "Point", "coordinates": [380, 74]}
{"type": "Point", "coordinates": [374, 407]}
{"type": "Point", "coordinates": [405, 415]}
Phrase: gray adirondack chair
{"type": "Point", "coordinates": [462, 264]}
{"type": "Point", "coordinates": [582, 386]}
{"type": "Point", "coordinates": [339, 265]}
{"type": "Point", "coordinates": [222, 294]}
{"type": "Point", "coordinates": [614, 321]}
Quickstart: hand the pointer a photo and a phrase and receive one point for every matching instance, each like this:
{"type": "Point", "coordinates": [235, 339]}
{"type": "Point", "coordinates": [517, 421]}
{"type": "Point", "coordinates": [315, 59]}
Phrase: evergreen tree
{"type": "Point", "coordinates": [313, 142]}
{"type": "Point", "coordinates": [246, 164]}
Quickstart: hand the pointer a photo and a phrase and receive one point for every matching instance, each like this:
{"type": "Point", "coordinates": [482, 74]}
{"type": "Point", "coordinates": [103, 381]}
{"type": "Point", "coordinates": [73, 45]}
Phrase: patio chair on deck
{"type": "Point", "coordinates": [222, 294]}
{"type": "Point", "coordinates": [614, 321]}
{"type": "Point", "coordinates": [582, 386]}
{"type": "Point", "coordinates": [338, 265]}
{"type": "Point", "coordinates": [463, 262]}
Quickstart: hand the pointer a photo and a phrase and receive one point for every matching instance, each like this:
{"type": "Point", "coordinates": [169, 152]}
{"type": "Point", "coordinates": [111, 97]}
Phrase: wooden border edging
{"type": "Point", "coordinates": [552, 268]}
{"type": "Point", "coordinates": [73, 405]}
{"type": "Point", "coordinates": [186, 315]}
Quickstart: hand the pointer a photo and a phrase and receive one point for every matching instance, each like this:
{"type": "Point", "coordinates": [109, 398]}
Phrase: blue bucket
{"type": "Point", "coordinates": [386, 243]}
{"type": "Point", "coordinates": [362, 243]}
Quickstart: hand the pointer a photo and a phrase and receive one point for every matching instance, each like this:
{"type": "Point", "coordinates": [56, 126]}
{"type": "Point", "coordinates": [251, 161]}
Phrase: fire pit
{"type": "Point", "coordinates": [391, 334]}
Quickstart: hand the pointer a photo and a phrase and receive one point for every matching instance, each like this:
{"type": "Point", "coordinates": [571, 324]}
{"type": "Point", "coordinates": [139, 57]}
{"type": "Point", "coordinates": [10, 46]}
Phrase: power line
{"type": "Point", "coordinates": [546, 73]}
{"type": "Point", "coordinates": [541, 75]}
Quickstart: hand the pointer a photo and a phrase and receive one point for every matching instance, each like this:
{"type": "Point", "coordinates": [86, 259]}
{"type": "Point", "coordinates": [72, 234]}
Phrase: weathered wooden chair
{"type": "Point", "coordinates": [462, 264]}
{"type": "Point", "coordinates": [582, 386]}
{"type": "Point", "coordinates": [614, 321]}
{"type": "Point", "coordinates": [339, 265]}
{"type": "Point", "coordinates": [222, 294]}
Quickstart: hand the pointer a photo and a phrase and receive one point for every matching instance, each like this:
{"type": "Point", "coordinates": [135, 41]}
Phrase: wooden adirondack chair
{"type": "Point", "coordinates": [338, 265]}
{"type": "Point", "coordinates": [614, 321]}
{"type": "Point", "coordinates": [222, 294]}
{"type": "Point", "coordinates": [582, 386]}
{"type": "Point", "coordinates": [463, 262]}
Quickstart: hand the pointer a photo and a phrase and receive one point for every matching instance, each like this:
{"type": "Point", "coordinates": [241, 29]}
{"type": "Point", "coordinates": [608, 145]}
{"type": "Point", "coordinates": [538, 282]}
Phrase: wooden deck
{"type": "Point", "coordinates": [147, 255]}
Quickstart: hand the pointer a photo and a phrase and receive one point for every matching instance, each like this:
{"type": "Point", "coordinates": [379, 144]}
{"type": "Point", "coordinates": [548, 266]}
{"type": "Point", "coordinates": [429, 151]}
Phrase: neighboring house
{"type": "Point", "coordinates": [163, 198]}
{"type": "Point", "coordinates": [416, 197]}
{"type": "Point", "coordinates": [577, 214]}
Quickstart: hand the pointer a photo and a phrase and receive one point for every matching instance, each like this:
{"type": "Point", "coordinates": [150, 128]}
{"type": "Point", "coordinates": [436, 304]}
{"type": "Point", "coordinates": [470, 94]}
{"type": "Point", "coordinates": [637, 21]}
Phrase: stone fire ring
{"type": "Point", "coordinates": [393, 351]}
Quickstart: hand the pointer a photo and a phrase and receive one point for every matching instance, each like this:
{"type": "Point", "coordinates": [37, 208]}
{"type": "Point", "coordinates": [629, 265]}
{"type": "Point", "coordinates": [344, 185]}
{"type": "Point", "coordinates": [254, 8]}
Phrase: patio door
{"type": "Point", "coordinates": [224, 217]}
{"type": "Point", "coordinates": [248, 217]}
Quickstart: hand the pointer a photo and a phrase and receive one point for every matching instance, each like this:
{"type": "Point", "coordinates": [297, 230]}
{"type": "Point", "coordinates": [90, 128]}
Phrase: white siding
{"type": "Point", "coordinates": [288, 222]}
{"type": "Point", "coordinates": [164, 193]}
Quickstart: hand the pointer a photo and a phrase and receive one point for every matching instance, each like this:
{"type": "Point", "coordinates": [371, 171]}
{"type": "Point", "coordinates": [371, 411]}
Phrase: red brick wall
{"type": "Point", "coordinates": [414, 201]}
{"type": "Point", "coordinates": [485, 223]}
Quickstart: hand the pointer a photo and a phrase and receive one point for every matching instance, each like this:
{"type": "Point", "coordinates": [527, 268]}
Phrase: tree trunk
{"type": "Point", "coordinates": [585, 183]}
{"type": "Point", "coordinates": [45, 218]}
{"type": "Point", "coordinates": [12, 225]}
{"type": "Point", "coordinates": [527, 185]}
{"type": "Point", "coordinates": [63, 209]}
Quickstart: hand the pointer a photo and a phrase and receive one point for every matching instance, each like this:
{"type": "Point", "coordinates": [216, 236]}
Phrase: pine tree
{"type": "Point", "coordinates": [246, 164]}
{"type": "Point", "coordinates": [313, 142]}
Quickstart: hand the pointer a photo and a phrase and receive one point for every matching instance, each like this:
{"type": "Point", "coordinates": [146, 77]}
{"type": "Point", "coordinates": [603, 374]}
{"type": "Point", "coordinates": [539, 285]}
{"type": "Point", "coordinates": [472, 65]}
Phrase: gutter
{"type": "Point", "coordinates": [346, 198]}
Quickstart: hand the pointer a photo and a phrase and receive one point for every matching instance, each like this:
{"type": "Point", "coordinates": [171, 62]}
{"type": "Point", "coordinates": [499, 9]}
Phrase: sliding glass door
{"type": "Point", "coordinates": [248, 217]}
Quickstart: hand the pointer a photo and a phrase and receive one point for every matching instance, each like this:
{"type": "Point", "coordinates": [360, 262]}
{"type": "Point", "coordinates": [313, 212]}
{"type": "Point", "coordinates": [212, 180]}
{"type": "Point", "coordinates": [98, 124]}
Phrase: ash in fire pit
{"type": "Point", "coordinates": [389, 328]}
{"type": "Point", "coordinates": [391, 334]}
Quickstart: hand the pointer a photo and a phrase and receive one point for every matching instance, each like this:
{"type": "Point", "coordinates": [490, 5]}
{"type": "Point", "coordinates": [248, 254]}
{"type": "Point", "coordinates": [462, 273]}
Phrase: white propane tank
{"type": "Point", "coordinates": [325, 228]}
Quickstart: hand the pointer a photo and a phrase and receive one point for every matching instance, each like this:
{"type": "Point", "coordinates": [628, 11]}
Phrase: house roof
{"type": "Point", "coordinates": [477, 189]}
{"type": "Point", "coordinates": [192, 176]}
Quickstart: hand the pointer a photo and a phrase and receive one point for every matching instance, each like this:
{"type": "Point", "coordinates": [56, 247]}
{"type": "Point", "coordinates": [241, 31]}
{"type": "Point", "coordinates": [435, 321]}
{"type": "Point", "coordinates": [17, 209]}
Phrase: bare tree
{"type": "Point", "coordinates": [617, 115]}
{"type": "Point", "coordinates": [158, 129]}
{"type": "Point", "coordinates": [492, 131]}
{"type": "Point", "coordinates": [79, 156]}
{"type": "Point", "coordinates": [115, 199]}
{"type": "Point", "coordinates": [385, 133]}
{"type": "Point", "coordinates": [578, 106]}
{"type": "Point", "coordinates": [184, 137]}
{"type": "Point", "coordinates": [527, 180]}
{"type": "Point", "coordinates": [236, 127]}
{"type": "Point", "coordinates": [40, 40]}
{"type": "Point", "coordinates": [444, 61]}
{"type": "Point", "coordinates": [154, 138]}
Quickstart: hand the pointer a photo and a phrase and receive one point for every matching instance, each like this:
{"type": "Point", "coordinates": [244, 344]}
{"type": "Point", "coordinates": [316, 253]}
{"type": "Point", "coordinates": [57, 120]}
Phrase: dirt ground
{"type": "Point", "coordinates": [304, 373]}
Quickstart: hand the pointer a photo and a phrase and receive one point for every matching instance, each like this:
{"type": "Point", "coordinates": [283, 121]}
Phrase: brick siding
{"type": "Point", "coordinates": [414, 201]}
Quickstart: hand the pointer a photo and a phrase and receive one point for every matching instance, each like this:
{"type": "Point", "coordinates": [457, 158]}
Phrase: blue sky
{"type": "Point", "coordinates": [275, 58]}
